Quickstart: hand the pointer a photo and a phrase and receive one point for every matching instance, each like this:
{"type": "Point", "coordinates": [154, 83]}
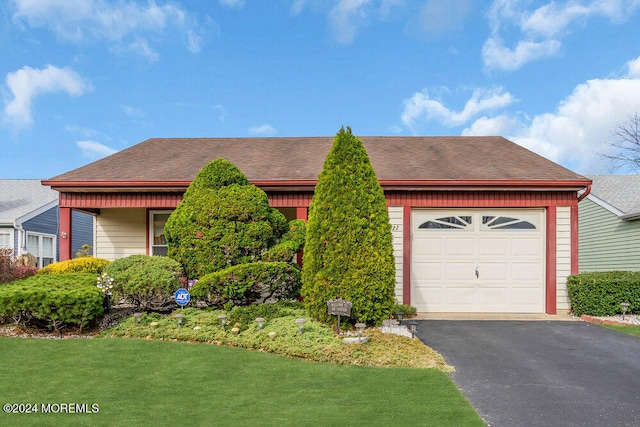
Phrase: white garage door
{"type": "Point", "coordinates": [478, 260]}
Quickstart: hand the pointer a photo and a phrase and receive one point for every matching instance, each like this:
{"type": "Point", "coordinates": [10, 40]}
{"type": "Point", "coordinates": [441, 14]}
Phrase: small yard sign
{"type": "Point", "coordinates": [339, 307]}
{"type": "Point", "coordinates": [182, 297]}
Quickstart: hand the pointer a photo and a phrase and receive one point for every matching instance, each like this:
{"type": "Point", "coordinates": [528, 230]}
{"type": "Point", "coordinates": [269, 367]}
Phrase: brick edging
{"type": "Point", "coordinates": [595, 320]}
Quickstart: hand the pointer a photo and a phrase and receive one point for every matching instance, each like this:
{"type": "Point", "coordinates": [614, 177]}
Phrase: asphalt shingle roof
{"type": "Point", "coordinates": [393, 158]}
{"type": "Point", "coordinates": [620, 191]}
{"type": "Point", "coordinates": [19, 197]}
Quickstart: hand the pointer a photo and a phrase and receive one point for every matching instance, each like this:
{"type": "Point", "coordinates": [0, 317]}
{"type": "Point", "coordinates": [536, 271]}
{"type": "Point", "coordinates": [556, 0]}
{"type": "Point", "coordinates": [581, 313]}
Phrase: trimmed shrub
{"type": "Point", "coordinates": [406, 310]}
{"type": "Point", "coordinates": [54, 301]}
{"type": "Point", "coordinates": [148, 282]}
{"type": "Point", "coordinates": [86, 264]}
{"type": "Point", "coordinates": [348, 252]}
{"type": "Point", "coordinates": [250, 283]}
{"type": "Point", "coordinates": [290, 244]}
{"type": "Point", "coordinates": [222, 221]}
{"type": "Point", "coordinates": [600, 293]}
{"type": "Point", "coordinates": [10, 270]}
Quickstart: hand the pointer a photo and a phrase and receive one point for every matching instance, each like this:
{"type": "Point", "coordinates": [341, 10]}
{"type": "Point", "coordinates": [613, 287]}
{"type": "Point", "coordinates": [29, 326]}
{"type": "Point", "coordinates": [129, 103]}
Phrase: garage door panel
{"type": "Point", "coordinates": [526, 271]}
{"type": "Point", "coordinates": [493, 271]}
{"type": "Point", "coordinates": [428, 246]}
{"type": "Point", "coordinates": [507, 253]}
{"type": "Point", "coordinates": [493, 246]}
{"type": "Point", "coordinates": [459, 246]}
{"type": "Point", "coordinates": [428, 271]}
{"type": "Point", "coordinates": [459, 271]}
{"type": "Point", "coordinates": [526, 246]}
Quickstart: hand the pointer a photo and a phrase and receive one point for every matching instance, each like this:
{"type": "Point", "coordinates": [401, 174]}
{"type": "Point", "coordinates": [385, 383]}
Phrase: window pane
{"type": "Point", "coordinates": [5, 240]}
{"type": "Point", "coordinates": [160, 251]}
{"type": "Point", "coordinates": [47, 247]}
{"type": "Point", "coordinates": [33, 246]}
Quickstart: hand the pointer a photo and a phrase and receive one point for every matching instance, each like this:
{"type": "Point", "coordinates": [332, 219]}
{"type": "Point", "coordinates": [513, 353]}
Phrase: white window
{"type": "Point", "coordinates": [6, 240]}
{"type": "Point", "coordinates": [157, 243]}
{"type": "Point", "coordinates": [43, 247]}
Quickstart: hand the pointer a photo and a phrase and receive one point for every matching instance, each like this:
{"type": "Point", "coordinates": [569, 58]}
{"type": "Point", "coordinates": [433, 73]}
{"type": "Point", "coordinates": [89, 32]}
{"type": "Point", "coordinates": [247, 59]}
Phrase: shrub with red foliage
{"type": "Point", "coordinates": [10, 272]}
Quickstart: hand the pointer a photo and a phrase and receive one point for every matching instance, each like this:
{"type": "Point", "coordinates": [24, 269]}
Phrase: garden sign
{"type": "Point", "coordinates": [339, 307]}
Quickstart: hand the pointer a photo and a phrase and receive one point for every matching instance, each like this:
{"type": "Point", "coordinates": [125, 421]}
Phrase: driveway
{"type": "Point", "coordinates": [527, 373]}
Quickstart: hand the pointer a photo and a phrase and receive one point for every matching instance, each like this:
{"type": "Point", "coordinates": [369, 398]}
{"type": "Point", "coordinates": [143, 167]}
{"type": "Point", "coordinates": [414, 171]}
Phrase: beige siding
{"type": "Point", "coordinates": [605, 241]}
{"type": "Point", "coordinates": [120, 233]}
{"type": "Point", "coordinates": [563, 255]}
{"type": "Point", "coordinates": [396, 218]}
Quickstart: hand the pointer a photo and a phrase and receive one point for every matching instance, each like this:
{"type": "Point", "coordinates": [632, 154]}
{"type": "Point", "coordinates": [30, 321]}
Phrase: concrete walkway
{"type": "Point", "coordinates": [541, 373]}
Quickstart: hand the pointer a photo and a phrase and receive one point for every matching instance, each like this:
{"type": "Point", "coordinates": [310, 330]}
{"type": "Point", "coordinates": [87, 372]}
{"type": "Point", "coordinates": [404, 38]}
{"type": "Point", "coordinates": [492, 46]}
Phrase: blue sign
{"type": "Point", "coordinates": [182, 297]}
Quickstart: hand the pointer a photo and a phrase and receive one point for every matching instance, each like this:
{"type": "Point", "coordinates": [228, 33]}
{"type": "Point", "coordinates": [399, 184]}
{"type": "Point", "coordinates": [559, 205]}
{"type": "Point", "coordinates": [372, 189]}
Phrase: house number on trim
{"type": "Point", "coordinates": [395, 227]}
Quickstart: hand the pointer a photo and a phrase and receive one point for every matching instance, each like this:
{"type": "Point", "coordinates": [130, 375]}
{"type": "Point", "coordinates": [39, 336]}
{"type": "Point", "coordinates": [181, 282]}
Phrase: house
{"type": "Point", "coordinates": [29, 218]}
{"type": "Point", "coordinates": [609, 230]}
{"type": "Point", "coordinates": [479, 224]}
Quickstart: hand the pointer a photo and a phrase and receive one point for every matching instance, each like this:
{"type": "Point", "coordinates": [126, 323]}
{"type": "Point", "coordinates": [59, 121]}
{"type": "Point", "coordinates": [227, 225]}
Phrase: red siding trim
{"type": "Point", "coordinates": [550, 301]}
{"type": "Point", "coordinates": [416, 199]}
{"type": "Point", "coordinates": [65, 229]}
{"type": "Point", "coordinates": [574, 239]}
{"type": "Point", "coordinates": [406, 255]}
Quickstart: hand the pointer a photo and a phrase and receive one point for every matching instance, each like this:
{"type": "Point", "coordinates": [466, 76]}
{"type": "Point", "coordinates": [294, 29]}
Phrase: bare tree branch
{"type": "Point", "coordinates": [627, 143]}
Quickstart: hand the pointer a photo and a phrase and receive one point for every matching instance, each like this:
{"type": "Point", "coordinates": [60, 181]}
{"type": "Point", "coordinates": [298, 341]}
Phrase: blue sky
{"type": "Point", "coordinates": [82, 79]}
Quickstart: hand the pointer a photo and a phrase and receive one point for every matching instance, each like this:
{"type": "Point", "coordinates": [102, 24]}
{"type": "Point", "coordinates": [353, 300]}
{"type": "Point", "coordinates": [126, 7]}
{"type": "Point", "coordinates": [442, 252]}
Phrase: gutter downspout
{"type": "Point", "coordinates": [585, 194]}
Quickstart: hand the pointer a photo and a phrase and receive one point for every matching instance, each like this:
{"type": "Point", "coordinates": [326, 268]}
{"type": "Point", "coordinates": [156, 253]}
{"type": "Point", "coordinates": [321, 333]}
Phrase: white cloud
{"type": "Point", "coordinates": [539, 31]}
{"type": "Point", "coordinates": [232, 3]}
{"type": "Point", "coordinates": [82, 20]}
{"type": "Point", "coordinates": [28, 83]}
{"type": "Point", "coordinates": [345, 18]}
{"type": "Point", "coordinates": [95, 150]}
{"type": "Point", "coordinates": [421, 108]}
{"type": "Point", "coordinates": [142, 48]}
{"type": "Point", "coordinates": [265, 129]}
{"type": "Point", "coordinates": [579, 130]}
{"type": "Point", "coordinates": [133, 112]}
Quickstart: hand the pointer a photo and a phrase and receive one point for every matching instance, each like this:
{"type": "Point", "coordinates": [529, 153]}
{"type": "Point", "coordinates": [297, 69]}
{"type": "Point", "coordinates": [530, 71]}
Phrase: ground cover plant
{"type": "Point", "coordinates": [141, 382]}
{"type": "Point", "coordinates": [317, 342]}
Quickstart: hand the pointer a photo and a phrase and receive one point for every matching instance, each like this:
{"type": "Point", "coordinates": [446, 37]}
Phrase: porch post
{"type": "Point", "coordinates": [65, 234]}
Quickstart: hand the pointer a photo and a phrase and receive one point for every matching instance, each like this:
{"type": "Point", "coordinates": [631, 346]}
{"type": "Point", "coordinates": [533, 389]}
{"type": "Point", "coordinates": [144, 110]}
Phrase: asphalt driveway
{"type": "Point", "coordinates": [527, 373]}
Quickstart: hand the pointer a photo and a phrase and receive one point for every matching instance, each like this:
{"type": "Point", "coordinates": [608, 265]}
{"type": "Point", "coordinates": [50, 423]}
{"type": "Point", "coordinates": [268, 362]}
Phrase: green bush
{"type": "Point", "coordinates": [348, 252]}
{"type": "Point", "coordinates": [246, 316]}
{"type": "Point", "coordinates": [600, 293]}
{"type": "Point", "coordinates": [406, 310]}
{"type": "Point", "coordinates": [86, 264]}
{"type": "Point", "coordinates": [222, 221]}
{"type": "Point", "coordinates": [290, 244]}
{"type": "Point", "coordinates": [250, 283]}
{"type": "Point", "coordinates": [148, 282]}
{"type": "Point", "coordinates": [54, 301]}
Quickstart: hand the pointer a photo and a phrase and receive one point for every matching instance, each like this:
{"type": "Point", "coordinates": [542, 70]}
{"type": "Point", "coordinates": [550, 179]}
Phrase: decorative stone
{"type": "Point", "coordinates": [235, 331]}
{"type": "Point", "coordinates": [355, 340]}
{"type": "Point", "coordinates": [197, 328]}
{"type": "Point", "coordinates": [153, 324]}
{"type": "Point", "coordinates": [272, 335]}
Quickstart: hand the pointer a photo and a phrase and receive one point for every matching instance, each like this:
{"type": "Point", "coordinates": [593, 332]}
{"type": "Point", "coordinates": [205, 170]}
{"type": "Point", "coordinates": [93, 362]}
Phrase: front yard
{"type": "Point", "coordinates": [151, 382]}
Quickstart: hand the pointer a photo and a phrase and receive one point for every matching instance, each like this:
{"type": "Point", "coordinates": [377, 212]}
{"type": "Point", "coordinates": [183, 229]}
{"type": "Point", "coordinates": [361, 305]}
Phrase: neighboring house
{"type": "Point", "coordinates": [479, 224]}
{"type": "Point", "coordinates": [609, 230]}
{"type": "Point", "coordinates": [29, 218]}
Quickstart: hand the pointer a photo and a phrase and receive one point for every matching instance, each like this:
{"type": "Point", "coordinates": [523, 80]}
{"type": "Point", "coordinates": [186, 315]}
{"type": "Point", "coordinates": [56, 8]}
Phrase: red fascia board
{"type": "Point", "coordinates": [310, 183]}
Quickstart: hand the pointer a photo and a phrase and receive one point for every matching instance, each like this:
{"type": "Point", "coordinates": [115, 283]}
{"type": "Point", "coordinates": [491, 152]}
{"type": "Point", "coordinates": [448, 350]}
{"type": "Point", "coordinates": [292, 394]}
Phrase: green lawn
{"type": "Point", "coordinates": [626, 329]}
{"type": "Point", "coordinates": [140, 382]}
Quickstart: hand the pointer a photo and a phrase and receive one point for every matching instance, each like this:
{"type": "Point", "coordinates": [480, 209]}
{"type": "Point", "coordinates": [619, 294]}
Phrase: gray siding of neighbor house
{"type": "Point", "coordinates": [47, 223]}
{"type": "Point", "coordinates": [82, 228]}
{"type": "Point", "coordinates": [606, 242]}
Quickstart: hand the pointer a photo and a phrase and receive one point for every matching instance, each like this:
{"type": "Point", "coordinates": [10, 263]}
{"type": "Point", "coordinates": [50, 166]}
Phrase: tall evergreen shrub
{"type": "Point", "coordinates": [348, 252]}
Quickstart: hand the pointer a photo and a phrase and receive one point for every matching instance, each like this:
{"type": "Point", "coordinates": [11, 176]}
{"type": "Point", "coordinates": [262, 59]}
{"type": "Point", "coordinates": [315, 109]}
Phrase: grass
{"type": "Point", "coordinates": [625, 329]}
{"type": "Point", "coordinates": [153, 382]}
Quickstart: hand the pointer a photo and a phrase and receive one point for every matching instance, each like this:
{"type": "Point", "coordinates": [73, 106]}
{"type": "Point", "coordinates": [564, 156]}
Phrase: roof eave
{"type": "Point", "coordinates": [309, 184]}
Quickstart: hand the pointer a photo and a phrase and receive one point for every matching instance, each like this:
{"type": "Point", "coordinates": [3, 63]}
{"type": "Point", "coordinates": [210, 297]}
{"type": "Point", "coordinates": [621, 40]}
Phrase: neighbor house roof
{"type": "Point", "coordinates": [618, 193]}
{"type": "Point", "coordinates": [21, 198]}
{"type": "Point", "coordinates": [273, 162]}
